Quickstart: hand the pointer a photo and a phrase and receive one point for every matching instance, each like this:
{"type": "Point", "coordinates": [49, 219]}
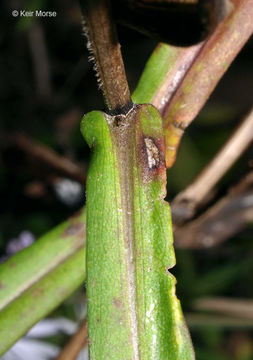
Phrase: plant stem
{"type": "Point", "coordinates": [26, 268]}
{"type": "Point", "coordinates": [37, 279]}
{"type": "Point", "coordinates": [43, 156]}
{"type": "Point", "coordinates": [76, 343]}
{"type": "Point", "coordinates": [105, 48]}
{"type": "Point", "coordinates": [220, 222]}
{"type": "Point", "coordinates": [40, 299]}
{"type": "Point", "coordinates": [210, 64]}
{"type": "Point", "coordinates": [238, 307]}
{"type": "Point", "coordinates": [133, 312]}
{"type": "Point", "coordinates": [196, 193]}
{"type": "Point", "coordinates": [179, 81]}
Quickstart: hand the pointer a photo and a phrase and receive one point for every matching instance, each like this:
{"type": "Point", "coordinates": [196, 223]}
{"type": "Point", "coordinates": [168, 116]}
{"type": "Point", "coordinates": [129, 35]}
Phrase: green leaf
{"type": "Point", "coordinates": [40, 299]}
{"type": "Point", "coordinates": [36, 280]}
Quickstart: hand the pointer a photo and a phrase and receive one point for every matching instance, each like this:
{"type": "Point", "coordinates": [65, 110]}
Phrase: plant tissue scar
{"type": "Point", "coordinates": [152, 153]}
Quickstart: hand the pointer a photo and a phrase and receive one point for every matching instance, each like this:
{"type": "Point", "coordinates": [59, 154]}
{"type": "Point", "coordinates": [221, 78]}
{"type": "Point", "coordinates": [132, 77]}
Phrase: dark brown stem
{"type": "Point", "coordinates": [105, 48]}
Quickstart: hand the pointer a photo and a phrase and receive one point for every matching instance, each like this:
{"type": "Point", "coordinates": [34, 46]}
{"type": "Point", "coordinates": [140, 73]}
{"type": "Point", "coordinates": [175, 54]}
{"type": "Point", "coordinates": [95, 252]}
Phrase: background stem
{"type": "Point", "coordinates": [76, 343]}
{"type": "Point", "coordinates": [196, 193]}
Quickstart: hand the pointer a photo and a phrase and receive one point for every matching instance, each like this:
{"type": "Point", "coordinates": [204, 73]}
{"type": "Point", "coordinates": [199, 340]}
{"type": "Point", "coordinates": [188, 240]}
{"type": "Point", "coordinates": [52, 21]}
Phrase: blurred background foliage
{"type": "Point", "coordinates": [47, 84]}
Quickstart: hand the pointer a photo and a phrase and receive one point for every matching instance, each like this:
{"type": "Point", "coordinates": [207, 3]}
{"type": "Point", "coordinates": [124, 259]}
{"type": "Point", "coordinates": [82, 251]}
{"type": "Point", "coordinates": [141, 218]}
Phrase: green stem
{"type": "Point", "coordinates": [133, 312]}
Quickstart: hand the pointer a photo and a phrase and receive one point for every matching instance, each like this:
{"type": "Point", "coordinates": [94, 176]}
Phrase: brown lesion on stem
{"type": "Point", "coordinates": [151, 156]}
{"type": "Point", "coordinates": [152, 153]}
{"type": "Point", "coordinates": [105, 48]}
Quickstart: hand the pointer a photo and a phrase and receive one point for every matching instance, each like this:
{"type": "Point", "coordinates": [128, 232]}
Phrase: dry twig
{"type": "Point", "coordinates": [195, 320]}
{"type": "Point", "coordinates": [77, 342]}
{"type": "Point", "coordinates": [43, 154]}
{"type": "Point", "coordinates": [234, 307]}
{"type": "Point", "coordinates": [187, 202]}
{"type": "Point", "coordinates": [227, 217]}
